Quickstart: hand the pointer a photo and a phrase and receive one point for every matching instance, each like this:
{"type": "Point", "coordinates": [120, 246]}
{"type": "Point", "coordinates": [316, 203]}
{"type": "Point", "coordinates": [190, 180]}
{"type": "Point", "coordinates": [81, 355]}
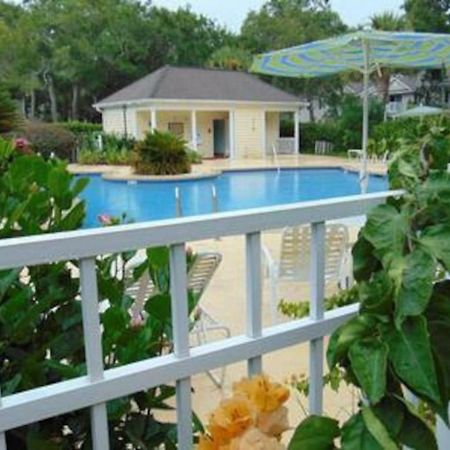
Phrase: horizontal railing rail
{"type": "Point", "coordinates": [100, 386]}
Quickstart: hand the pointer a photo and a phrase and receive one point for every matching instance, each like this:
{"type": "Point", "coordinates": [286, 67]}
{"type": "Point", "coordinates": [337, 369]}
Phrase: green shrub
{"type": "Point", "coordinates": [161, 153]}
{"type": "Point", "coordinates": [10, 119]}
{"type": "Point", "coordinates": [41, 330]}
{"type": "Point", "coordinates": [110, 157]}
{"type": "Point", "coordinates": [319, 131]}
{"type": "Point", "coordinates": [47, 139]}
{"type": "Point", "coordinates": [195, 157]}
{"type": "Point", "coordinates": [77, 127]}
{"type": "Point", "coordinates": [349, 119]}
{"type": "Point", "coordinates": [398, 337]}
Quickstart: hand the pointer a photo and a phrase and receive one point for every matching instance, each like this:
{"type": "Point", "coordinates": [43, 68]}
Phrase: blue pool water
{"type": "Point", "coordinates": [144, 201]}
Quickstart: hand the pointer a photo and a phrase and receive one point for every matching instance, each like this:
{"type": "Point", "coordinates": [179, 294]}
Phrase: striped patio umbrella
{"type": "Point", "coordinates": [364, 51]}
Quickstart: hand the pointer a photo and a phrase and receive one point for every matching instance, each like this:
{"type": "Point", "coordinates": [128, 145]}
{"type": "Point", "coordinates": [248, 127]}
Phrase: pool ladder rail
{"type": "Point", "coordinates": [179, 204]}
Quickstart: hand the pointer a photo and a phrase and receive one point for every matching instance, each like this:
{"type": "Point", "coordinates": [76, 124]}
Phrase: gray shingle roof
{"type": "Point", "coordinates": [190, 83]}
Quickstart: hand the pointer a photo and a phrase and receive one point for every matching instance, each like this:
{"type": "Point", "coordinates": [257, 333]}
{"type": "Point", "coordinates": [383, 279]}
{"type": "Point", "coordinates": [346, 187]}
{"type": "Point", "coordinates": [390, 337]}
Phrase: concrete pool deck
{"type": "Point", "coordinates": [213, 167]}
{"type": "Point", "coordinates": [225, 297]}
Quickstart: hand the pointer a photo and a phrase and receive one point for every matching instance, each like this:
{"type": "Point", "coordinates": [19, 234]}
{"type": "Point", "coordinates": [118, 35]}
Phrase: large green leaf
{"type": "Point", "coordinates": [369, 363]}
{"type": "Point", "coordinates": [390, 411]}
{"type": "Point", "coordinates": [415, 433]}
{"type": "Point", "coordinates": [315, 433]}
{"type": "Point", "coordinates": [356, 436]}
{"type": "Point", "coordinates": [436, 240]}
{"type": "Point", "coordinates": [346, 335]}
{"type": "Point", "coordinates": [364, 260]}
{"type": "Point", "coordinates": [378, 430]}
{"type": "Point", "coordinates": [386, 229]}
{"type": "Point", "coordinates": [411, 357]}
{"type": "Point", "coordinates": [377, 295]}
{"type": "Point", "coordinates": [416, 285]}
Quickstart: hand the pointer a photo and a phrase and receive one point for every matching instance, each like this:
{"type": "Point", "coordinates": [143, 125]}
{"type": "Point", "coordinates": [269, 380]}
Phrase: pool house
{"type": "Point", "coordinates": [220, 113]}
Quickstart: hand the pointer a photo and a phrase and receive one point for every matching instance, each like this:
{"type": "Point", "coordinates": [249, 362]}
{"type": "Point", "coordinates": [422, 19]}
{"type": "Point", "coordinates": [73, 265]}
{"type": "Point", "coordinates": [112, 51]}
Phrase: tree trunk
{"type": "Point", "coordinates": [385, 83]}
{"type": "Point", "coordinates": [53, 102]}
{"type": "Point", "coordinates": [75, 97]}
{"type": "Point", "coordinates": [311, 108]}
{"type": "Point", "coordinates": [48, 79]}
{"type": "Point", "coordinates": [32, 112]}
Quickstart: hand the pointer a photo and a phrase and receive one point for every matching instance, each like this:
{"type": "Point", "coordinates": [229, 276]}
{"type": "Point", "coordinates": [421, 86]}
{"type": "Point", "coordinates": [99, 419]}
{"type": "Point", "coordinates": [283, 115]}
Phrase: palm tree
{"type": "Point", "coordinates": [230, 58]}
{"type": "Point", "coordinates": [387, 21]}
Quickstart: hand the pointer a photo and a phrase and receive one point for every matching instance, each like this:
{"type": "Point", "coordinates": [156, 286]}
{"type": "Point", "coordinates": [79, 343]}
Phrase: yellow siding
{"type": "Point", "coordinates": [249, 132]}
{"type": "Point", "coordinates": [143, 123]}
{"type": "Point", "coordinates": [273, 130]}
{"type": "Point", "coordinates": [114, 121]}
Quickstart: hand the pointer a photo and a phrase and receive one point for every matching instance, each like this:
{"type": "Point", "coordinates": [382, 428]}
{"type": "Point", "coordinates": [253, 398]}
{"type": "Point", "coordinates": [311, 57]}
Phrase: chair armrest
{"type": "Point", "coordinates": [270, 265]}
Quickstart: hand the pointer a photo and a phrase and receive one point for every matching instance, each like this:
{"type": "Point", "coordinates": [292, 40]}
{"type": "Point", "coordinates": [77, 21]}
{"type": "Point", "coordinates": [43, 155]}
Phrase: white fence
{"type": "Point", "coordinates": [100, 386]}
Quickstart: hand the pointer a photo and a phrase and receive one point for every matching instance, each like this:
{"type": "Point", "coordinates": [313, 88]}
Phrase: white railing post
{"type": "Point", "coordinates": [317, 313]}
{"type": "Point", "coordinates": [180, 330]}
{"type": "Point", "coordinates": [254, 295]}
{"type": "Point", "coordinates": [93, 348]}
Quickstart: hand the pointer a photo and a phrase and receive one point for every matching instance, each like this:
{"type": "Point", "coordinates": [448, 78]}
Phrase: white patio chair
{"type": "Point", "coordinates": [199, 277]}
{"type": "Point", "coordinates": [295, 257]}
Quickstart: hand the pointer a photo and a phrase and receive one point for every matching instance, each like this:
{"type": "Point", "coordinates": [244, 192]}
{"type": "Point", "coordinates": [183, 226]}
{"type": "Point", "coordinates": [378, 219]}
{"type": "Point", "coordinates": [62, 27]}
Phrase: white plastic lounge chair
{"type": "Point", "coordinates": [295, 256]}
{"type": "Point", "coordinates": [199, 277]}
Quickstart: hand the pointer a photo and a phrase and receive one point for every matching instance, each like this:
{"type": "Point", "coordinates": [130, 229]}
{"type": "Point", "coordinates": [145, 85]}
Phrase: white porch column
{"type": "Point", "coordinates": [194, 129]}
{"type": "Point", "coordinates": [231, 139]}
{"type": "Point", "coordinates": [296, 131]}
{"type": "Point", "coordinates": [153, 119]}
{"type": "Point", "coordinates": [264, 133]}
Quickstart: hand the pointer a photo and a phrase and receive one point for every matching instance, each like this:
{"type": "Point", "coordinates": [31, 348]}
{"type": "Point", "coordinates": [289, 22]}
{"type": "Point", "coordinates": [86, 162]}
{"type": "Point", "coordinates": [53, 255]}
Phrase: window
{"type": "Point", "coordinates": [176, 128]}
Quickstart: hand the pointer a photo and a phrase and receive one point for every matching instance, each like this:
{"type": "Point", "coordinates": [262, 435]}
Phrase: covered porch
{"type": "Point", "coordinates": [224, 133]}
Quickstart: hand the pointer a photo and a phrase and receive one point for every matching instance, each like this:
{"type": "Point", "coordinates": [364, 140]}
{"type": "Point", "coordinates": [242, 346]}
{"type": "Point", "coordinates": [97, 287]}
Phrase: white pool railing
{"type": "Point", "coordinates": [100, 386]}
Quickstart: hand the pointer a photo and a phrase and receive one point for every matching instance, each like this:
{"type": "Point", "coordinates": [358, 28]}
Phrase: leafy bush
{"type": "Point", "coordinates": [47, 139]}
{"type": "Point", "coordinates": [78, 128]}
{"type": "Point", "coordinates": [349, 118]}
{"type": "Point", "coordinates": [40, 315]}
{"type": "Point", "coordinates": [109, 157]}
{"type": "Point", "coordinates": [398, 339]}
{"type": "Point", "coordinates": [10, 119]}
{"type": "Point", "coordinates": [319, 131]}
{"type": "Point", "coordinates": [195, 157]}
{"type": "Point", "coordinates": [161, 153]}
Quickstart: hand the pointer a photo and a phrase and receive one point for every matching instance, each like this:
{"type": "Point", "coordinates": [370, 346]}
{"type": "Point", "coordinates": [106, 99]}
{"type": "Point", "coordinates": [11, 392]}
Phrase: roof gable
{"type": "Point", "coordinates": [190, 83]}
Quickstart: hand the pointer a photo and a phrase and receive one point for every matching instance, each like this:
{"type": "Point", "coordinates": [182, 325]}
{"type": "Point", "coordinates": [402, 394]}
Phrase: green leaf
{"type": "Point", "coordinates": [79, 186]}
{"type": "Point", "coordinates": [415, 433]}
{"type": "Point", "coordinates": [364, 259]}
{"type": "Point", "coordinates": [386, 229]}
{"type": "Point", "coordinates": [416, 285]}
{"type": "Point", "coordinates": [378, 430]}
{"type": "Point", "coordinates": [411, 357]}
{"type": "Point", "coordinates": [436, 240]}
{"type": "Point", "coordinates": [376, 295]}
{"type": "Point", "coordinates": [369, 363]}
{"type": "Point", "coordinates": [345, 335]}
{"type": "Point", "coordinates": [356, 436]}
{"type": "Point", "coordinates": [390, 410]}
{"type": "Point", "coordinates": [159, 307]}
{"type": "Point", "coordinates": [315, 433]}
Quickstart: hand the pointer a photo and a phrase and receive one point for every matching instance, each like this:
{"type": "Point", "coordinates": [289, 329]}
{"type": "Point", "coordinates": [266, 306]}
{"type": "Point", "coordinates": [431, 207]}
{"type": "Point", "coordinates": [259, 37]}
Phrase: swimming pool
{"type": "Point", "coordinates": [147, 200]}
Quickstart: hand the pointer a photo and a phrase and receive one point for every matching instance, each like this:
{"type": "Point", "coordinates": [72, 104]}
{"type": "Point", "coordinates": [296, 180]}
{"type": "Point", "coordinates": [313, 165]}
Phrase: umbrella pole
{"type": "Point", "coordinates": [363, 177]}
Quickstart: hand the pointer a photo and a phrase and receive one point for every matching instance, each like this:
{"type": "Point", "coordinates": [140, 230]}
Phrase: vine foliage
{"type": "Point", "coordinates": [398, 342]}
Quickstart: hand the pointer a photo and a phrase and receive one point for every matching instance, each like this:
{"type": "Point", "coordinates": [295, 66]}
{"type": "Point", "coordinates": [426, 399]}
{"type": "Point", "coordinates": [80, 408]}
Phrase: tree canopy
{"type": "Point", "coordinates": [58, 57]}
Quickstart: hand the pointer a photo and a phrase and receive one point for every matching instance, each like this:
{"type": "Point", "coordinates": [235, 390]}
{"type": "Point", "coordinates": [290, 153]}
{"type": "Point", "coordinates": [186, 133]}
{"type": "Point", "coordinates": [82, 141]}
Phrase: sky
{"type": "Point", "coordinates": [232, 12]}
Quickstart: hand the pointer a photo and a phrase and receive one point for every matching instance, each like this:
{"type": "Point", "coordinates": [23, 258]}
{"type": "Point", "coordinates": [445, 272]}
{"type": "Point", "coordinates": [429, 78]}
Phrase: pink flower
{"type": "Point", "coordinates": [105, 219]}
{"type": "Point", "coordinates": [22, 145]}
